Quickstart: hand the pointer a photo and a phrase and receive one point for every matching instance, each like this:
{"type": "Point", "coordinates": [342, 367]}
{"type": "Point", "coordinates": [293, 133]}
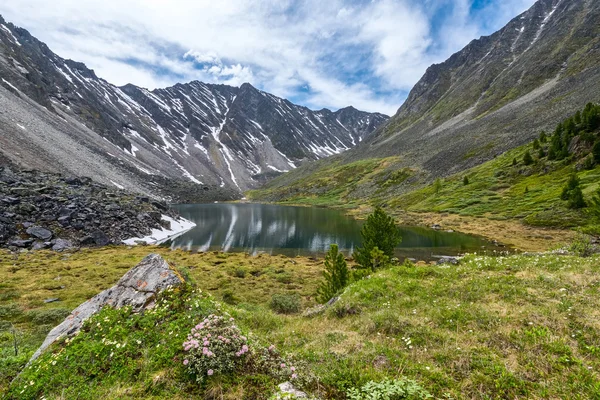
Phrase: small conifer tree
{"type": "Point", "coordinates": [573, 194]}
{"type": "Point", "coordinates": [514, 163]}
{"type": "Point", "coordinates": [596, 151]}
{"type": "Point", "coordinates": [378, 231]}
{"type": "Point", "coordinates": [465, 181]}
{"type": "Point", "coordinates": [336, 275]}
{"type": "Point", "coordinates": [527, 159]}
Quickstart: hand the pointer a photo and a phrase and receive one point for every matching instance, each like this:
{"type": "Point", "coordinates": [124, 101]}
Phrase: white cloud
{"type": "Point", "coordinates": [367, 53]}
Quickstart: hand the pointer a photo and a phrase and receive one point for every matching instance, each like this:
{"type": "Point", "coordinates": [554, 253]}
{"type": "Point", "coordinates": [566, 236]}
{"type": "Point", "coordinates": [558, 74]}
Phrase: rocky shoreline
{"type": "Point", "coordinates": [40, 210]}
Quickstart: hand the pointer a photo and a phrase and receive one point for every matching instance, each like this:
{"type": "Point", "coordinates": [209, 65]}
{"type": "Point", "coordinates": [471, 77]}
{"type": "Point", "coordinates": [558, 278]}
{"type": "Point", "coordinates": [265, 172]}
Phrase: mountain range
{"type": "Point", "coordinates": [497, 93]}
{"type": "Point", "coordinates": [57, 115]}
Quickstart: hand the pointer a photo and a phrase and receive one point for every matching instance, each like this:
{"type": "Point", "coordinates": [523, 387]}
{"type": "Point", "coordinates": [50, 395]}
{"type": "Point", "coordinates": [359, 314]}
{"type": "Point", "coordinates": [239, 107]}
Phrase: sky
{"type": "Point", "coordinates": [317, 53]}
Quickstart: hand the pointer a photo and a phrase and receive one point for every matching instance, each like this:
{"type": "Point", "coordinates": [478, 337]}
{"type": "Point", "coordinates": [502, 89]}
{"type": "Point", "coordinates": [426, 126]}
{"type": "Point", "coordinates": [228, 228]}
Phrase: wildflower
{"type": "Point", "coordinates": [294, 376]}
{"type": "Point", "coordinates": [210, 372]}
{"type": "Point", "coordinates": [185, 362]}
{"type": "Point", "coordinates": [292, 369]}
{"type": "Point", "coordinates": [282, 365]}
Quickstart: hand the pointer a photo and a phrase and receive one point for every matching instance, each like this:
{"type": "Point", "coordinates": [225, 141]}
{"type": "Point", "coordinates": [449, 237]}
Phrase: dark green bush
{"type": "Point", "coordinates": [285, 303]}
{"type": "Point", "coordinates": [51, 316]}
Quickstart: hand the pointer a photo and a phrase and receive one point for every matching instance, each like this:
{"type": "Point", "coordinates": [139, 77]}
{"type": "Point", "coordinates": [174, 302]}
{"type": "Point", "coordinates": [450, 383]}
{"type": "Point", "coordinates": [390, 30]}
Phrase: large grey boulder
{"type": "Point", "coordinates": [137, 288]}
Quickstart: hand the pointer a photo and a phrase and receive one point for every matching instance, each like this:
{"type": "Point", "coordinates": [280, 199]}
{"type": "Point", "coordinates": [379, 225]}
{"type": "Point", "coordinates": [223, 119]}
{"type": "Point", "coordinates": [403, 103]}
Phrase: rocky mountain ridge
{"type": "Point", "coordinates": [59, 116]}
{"type": "Point", "coordinates": [495, 94]}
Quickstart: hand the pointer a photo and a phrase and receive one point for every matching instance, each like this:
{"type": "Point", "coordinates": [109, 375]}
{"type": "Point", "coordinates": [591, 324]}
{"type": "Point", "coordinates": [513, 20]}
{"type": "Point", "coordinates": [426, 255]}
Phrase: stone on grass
{"type": "Point", "coordinates": [137, 288]}
{"type": "Point", "coordinates": [39, 232]}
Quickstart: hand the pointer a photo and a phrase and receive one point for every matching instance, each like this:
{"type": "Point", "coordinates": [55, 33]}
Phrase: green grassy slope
{"type": "Point", "coordinates": [501, 327]}
{"type": "Point", "coordinates": [497, 189]}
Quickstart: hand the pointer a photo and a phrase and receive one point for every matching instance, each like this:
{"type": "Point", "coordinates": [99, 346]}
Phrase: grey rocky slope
{"type": "Point", "coordinates": [43, 210]}
{"type": "Point", "coordinates": [497, 93]}
{"type": "Point", "coordinates": [57, 115]}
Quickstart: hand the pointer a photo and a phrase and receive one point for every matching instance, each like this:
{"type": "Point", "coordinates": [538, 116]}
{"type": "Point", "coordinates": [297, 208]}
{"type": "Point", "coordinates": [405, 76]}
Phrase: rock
{"type": "Point", "coordinates": [137, 288]}
{"type": "Point", "coordinates": [62, 244]}
{"type": "Point", "coordinates": [161, 205]}
{"type": "Point", "coordinates": [112, 207]}
{"type": "Point", "coordinates": [87, 241]}
{"type": "Point", "coordinates": [39, 232]}
{"type": "Point", "coordinates": [40, 245]}
{"type": "Point", "coordinates": [64, 221]}
{"type": "Point", "coordinates": [51, 300]}
{"type": "Point", "coordinates": [288, 390]}
{"type": "Point", "coordinates": [436, 226]}
{"type": "Point", "coordinates": [320, 308]}
{"type": "Point", "coordinates": [100, 238]}
{"type": "Point", "coordinates": [21, 243]}
{"type": "Point", "coordinates": [65, 212]}
{"type": "Point", "coordinates": [11, 200]}
{"type": "Point", "coordinates": [447, 260]}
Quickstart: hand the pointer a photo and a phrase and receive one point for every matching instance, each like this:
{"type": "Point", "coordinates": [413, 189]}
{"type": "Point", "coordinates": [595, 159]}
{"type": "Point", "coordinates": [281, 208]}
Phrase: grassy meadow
{"type": "Point", "coordinates": [491, 328]}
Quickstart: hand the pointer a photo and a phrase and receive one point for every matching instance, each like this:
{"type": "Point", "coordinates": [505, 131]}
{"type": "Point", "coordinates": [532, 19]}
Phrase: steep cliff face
{"type": "Point", "coordinates": [223, 137]}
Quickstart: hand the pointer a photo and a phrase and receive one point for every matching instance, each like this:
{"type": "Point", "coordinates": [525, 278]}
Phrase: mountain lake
{"type": "Point", "coordinates": [307, 231]}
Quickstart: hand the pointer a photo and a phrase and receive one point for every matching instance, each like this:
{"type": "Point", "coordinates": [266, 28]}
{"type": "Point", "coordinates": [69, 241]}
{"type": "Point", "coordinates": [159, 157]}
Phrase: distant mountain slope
{"type": "Point", "coordinates": [495, 94]}
{"type": "Point", "coordinates": [216, 135]}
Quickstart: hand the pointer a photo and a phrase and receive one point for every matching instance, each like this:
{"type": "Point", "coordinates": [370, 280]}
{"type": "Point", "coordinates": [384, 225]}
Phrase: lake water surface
{"type": "Point", "coordinates": [288, 230]}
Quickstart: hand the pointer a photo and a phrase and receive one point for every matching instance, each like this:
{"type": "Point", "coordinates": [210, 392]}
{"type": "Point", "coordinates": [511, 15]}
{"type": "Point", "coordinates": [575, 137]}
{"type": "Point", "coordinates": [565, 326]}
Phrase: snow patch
{"type": "Point", "coordinates": [117, 185]}
{"type": "Point", "coordinates": [11, 34]}
{"type": "Point", "coordinates": [158, 236]}
{"type": "Point", "coordinates": [9, 84]}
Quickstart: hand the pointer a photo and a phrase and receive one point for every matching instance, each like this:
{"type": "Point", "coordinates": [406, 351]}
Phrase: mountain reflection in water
{"type": "Point", "coordinates": [289, 230]}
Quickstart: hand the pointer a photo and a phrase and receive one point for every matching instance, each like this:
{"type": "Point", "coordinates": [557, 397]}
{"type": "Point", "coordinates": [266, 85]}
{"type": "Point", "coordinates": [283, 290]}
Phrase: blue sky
{"type": "Point", "coordinates": [335, 53]}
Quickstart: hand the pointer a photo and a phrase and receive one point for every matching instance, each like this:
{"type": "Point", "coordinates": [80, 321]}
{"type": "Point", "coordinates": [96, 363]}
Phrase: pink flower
{"type": "Point", "coordinates": [206, 342]}
{"type": "Point", "coordinates": [272, 347]}
{"type": "Point", "coordinates": [282, 365]}
{"type": "Point", "coordinates": [210, 372]}
{"type": "Point", "coordinates": [294, 376]}
{"type": "Point", "coordinates": [292, 369]}
{"type": "Point", "coordinates": [185, 362]}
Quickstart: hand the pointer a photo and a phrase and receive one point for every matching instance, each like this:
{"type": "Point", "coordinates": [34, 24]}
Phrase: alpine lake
{"type": "Point", "coordinates": [305, 231]}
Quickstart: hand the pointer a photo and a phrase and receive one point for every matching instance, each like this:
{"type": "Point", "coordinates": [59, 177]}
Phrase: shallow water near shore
{"type": "Point", "coordinates": [306, 231]}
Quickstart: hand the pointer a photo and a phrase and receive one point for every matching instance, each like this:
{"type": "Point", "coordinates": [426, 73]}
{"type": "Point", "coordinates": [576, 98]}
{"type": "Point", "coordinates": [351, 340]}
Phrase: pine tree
{"type": "Point", "coordinates": [378, 231]}
{"type": "Point", "coordinates": [543, 137]}
{"type": "Point", "coordinates": [596, 152]}
{"type": "Point", "coordinates": [527, 159]}
{"type": "Point", "coordinates": [465, 181]}
{"type": "Point", "coordinates": [572, 193]}
{"type": "Point", "coordinates": [514, 163]}
{"type": "Point", "coordinates": [541, 153]}
{"type": "Point", "coordinates": [536, 144]}
{"type": "Point", "coordinates": [336, 275]}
